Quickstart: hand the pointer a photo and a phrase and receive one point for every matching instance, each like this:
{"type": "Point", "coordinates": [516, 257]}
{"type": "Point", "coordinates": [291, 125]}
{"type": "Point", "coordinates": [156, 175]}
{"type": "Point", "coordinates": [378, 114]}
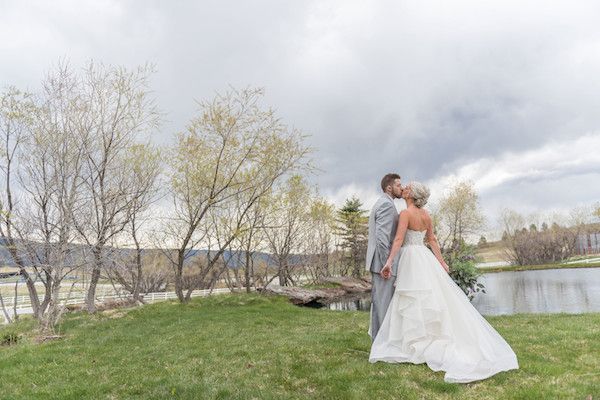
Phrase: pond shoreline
{"type": "Point", "coordinates": [514, 268]}
{"type": "Point", "coordinates": [571, 291]}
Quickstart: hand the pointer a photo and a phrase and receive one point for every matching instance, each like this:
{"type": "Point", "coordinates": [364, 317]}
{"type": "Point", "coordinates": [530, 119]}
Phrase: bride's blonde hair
{"type": "Point", "coordinates": [419, 193]}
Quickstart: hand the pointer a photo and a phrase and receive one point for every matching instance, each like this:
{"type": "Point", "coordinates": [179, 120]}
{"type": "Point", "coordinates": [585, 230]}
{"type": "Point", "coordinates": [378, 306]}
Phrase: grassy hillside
{"type": "Point", "coordinates": [254, 347]}
{"type": "Point", "coordinates": [495, 251]}
{"type": "Point", "coordinates": [491, 252]}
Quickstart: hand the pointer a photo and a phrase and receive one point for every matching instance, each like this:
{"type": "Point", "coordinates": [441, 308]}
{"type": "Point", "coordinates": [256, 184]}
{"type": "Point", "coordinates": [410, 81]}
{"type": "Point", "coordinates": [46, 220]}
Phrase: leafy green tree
{"type": "Point", "coordinates": [230, 157]}
{"type": "Point", "coordinates": [458, 215]}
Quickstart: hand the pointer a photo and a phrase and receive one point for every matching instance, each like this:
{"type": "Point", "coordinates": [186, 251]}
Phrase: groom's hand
{"type": "Point", "coordinates": [386, 272]}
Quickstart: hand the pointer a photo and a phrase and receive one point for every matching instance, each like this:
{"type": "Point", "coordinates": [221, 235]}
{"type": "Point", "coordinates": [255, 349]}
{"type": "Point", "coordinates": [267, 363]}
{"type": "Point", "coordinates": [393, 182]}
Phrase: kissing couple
{"type": "Point", "coordinates": [418, 314]}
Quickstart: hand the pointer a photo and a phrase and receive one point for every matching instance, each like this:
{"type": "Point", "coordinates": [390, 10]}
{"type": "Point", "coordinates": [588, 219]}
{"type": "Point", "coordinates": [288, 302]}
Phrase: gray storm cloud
{"type": "Point", "coordinates": [420, 87]}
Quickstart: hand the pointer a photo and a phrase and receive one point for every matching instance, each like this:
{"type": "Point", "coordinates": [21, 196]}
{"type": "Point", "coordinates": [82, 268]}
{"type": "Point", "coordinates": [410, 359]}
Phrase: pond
{"type": "Point", "coordinates": [569, 290]}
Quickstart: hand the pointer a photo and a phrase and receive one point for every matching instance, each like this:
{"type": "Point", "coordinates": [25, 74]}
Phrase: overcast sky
{"type": "Point", "coordinates": [505, 93]}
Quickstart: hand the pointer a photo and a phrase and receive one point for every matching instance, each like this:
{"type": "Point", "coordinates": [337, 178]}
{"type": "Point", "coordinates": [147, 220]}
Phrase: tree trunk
{"type": "Point", "coordinates": [90, 300]}
{"type": "Point", "coordinates": [179, 278]}
{"type": "Point", "coordinates": [283, 273]}
{"type": "Point", "coordinates": [248, 268]}
{"type": "Point", "coordinates": [3, 307]}
{"type": "Point", "coordinates": [47, 295]}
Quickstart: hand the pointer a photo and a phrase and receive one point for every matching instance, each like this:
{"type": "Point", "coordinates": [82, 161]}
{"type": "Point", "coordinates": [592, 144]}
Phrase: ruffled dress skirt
{"type": "Point", "coordinates": [430, 320]}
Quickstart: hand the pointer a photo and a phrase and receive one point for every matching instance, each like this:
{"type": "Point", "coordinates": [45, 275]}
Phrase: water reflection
{"type": "Point", "coordinates": [543, 291]}
{"type": "Point", "coordinates": [356, 303]}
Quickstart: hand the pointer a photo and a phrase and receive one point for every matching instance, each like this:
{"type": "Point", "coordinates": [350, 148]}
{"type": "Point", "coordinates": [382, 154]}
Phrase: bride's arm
{"type": "Point", "coordinates": [398, 239]}
{"type": "Point", "coordinates": [435, 247]}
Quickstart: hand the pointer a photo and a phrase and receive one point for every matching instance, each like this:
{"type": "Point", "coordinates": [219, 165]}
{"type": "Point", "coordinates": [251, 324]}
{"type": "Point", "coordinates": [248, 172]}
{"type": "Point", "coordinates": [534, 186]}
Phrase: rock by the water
{"type": "Point", "coordinates": [300, 295]}
{"type": "Point", "coordinates": [350, 285]}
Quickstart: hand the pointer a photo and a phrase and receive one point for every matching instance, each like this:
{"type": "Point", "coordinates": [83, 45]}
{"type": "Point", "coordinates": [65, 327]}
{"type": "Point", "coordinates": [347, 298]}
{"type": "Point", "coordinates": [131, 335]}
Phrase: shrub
{"type": "Point", "coordinates": [532, 247]}
{"type": "Point", "coordinates": [466, 276]}
{"type": "Point", "coordinates": [461, 260]}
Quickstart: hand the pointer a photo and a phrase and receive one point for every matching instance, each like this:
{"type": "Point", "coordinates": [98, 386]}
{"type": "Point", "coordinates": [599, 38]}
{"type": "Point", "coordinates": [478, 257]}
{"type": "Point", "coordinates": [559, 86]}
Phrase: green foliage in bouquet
{"type": "Point", "coordinates": [463, 271]}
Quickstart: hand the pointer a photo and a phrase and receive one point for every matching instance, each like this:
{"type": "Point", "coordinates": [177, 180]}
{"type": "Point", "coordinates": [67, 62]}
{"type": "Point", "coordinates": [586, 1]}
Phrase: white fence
{"type": "Point", "coordinates": [585, 261]}
{"type": "Point", "coordinates": [24, 303]}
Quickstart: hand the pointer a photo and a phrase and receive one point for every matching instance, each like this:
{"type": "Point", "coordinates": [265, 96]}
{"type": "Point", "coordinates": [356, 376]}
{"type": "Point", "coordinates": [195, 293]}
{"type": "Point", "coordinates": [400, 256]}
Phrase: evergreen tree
{"type": "Point", "coordinates": [533, 228]}
{"type": "Point", "coordinates": [352, 229]}
{"type": "Point", "coordinates": [482, 241]}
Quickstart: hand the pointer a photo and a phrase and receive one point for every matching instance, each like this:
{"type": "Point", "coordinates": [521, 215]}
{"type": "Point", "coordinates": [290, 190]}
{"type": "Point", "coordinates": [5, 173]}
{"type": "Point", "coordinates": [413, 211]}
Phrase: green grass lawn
{"type": "Point", "coordinates": [255, 347]}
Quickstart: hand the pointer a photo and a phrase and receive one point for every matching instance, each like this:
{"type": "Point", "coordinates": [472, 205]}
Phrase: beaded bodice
{"type": "Point", "coordinates": [414, 238]}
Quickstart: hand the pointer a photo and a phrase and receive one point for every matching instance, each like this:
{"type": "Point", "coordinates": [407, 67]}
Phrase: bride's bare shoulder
{"type": "Point", "coordinates": [424, 212]}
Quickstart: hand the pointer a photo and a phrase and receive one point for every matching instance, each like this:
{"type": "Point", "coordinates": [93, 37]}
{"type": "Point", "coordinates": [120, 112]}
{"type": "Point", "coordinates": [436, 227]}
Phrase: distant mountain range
{"type": "Point", "coordinates": [234, 258]}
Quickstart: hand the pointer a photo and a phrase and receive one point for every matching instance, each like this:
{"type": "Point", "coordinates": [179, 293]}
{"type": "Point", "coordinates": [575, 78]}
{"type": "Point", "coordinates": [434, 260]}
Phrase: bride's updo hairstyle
{"type": "Point", "coordinates": [419, 193]}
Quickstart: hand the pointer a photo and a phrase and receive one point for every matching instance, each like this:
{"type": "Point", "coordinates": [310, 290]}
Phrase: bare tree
{"type": "Point", "coordinates": [320, 241]}
{"type": "Point", "coordinates": [52, 179]}
{"type": "Point", "coordinates": [7, 317]}
{"type": "Point", "coordinates": [287, 226]}
{"type": "Point", "coordinates": [536, 246]}
{"type": "Point", "coordinates": [143, 162]}
{"type": "Point", "coordinates": [223, 221]}
{"type": "Point", "coordinates": [580, 216]}
{"type": "Point", "coordinates": [233, 150]}
{"type": "Point", "coordinates": [16, 110]}
{"type": "Point", "coordinates": [239, 258]}
{"type": "Point", "coordinates": [137, 276]}
{"type": "Point", "coordinates": [250, 241]}
{"type": "Point", "coordinates": [119, 111]}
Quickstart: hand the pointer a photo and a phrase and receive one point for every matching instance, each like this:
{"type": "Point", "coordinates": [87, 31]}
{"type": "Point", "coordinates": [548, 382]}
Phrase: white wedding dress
{"type": "Point", "coordinates": [430, 320]}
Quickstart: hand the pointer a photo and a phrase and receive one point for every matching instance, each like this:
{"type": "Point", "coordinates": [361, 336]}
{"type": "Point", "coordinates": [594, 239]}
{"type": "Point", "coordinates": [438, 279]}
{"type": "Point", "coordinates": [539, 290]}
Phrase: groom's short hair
{"type": "Point", "coordinates": [388, 180]}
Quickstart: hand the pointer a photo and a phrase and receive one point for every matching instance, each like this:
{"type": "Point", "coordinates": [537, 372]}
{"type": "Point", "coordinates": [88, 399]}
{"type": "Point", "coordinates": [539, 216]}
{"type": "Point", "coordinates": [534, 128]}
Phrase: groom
{"type": "Point", "coordinates": [383, 223]}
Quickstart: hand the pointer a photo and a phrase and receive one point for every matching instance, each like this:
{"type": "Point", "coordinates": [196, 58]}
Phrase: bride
{"type": "Point", "coordinates": [430, 320]}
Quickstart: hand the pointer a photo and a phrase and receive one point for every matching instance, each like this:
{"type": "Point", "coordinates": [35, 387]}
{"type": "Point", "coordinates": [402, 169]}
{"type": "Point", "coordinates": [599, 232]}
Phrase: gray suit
{"type": "Point", "coordinates": [383, 223]}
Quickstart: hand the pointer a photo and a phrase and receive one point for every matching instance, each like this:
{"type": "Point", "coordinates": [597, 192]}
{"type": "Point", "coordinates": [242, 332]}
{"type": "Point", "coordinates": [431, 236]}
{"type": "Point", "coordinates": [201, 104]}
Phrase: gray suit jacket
{"type": "Point", "coordinates": [383, 222]}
